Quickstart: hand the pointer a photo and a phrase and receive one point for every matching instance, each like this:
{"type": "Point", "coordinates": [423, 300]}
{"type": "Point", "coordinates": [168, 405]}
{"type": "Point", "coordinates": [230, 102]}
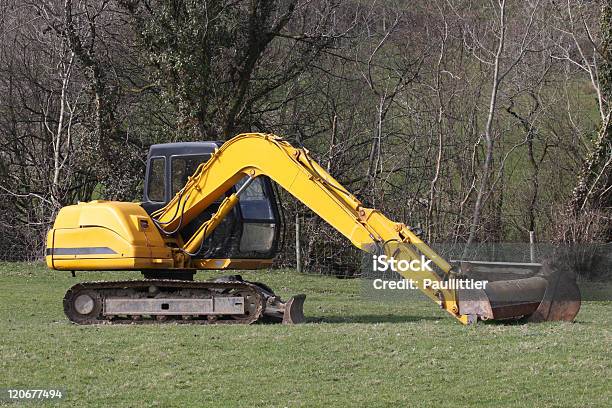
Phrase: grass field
{"type": "Point", "coordinates": [353, 352]}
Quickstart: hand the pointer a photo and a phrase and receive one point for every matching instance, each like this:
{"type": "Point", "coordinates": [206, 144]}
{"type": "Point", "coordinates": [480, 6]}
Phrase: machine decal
{"type": "Point", "coordinates": [80, 251]}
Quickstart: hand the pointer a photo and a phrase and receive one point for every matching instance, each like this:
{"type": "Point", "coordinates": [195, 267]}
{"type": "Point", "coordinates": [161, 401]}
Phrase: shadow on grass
{"type": "Point", "coordinates": [407, 319]}
{"type": "Point", "coordinates": [370, 318]}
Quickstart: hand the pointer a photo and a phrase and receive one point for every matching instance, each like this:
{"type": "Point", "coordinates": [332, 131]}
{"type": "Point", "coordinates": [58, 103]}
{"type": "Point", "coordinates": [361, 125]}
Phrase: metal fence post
{"type": "Point", "coordinates": [532, 254]}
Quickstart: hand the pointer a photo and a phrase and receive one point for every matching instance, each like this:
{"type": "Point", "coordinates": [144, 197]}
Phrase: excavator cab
{"type": "Point", "coordinates": [250, 231]}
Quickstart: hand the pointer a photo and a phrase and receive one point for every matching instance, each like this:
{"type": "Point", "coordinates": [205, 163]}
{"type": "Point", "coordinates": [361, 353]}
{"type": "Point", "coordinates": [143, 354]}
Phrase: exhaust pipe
{"type": "Point", "coordinates": [551, 295]}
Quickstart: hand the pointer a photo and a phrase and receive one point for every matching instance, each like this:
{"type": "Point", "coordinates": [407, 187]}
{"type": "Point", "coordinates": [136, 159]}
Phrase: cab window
{"type": "Point", "coordinates": [257, 237]}
{"type": "Point", "coordinates": [254, 202]}
{"type": "Point", "coordinates": [157, 180]}
{"type": "Point", "coordinates": [183, 167]}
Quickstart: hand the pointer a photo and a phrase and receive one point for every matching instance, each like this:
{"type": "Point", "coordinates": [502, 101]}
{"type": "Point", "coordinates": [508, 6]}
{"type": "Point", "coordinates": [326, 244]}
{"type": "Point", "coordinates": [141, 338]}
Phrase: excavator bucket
{"type": "Point", "coordinates": [550, 295]}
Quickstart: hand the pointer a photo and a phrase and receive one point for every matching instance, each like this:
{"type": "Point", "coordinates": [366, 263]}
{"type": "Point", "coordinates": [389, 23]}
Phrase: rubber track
{"type": "Point", "coordinates": [101, 286]}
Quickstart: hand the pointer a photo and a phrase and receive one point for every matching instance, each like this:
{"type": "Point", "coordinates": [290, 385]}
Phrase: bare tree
{"type": "Point", "coordinates": [588, 48]}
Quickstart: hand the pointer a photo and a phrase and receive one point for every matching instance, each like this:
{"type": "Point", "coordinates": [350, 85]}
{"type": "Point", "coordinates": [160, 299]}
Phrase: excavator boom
{"type": "Point", "coordinates": [136, 240]}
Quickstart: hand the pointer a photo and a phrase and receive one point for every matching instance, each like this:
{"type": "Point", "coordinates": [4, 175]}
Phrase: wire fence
{"type": "Point", "coordinates": [26, 245]}
{"type": "Point", "coordinates": [323, 251]}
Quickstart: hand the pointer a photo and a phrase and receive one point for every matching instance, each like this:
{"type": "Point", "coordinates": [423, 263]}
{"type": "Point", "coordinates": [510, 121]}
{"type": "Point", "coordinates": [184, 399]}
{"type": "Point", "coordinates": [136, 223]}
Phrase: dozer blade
{"type": "Point", "coordinates": [550, 295]}
{"type": "Point", "coordinates": [277, 311]}
{"type": "Point", "coordinates": [294, 310]}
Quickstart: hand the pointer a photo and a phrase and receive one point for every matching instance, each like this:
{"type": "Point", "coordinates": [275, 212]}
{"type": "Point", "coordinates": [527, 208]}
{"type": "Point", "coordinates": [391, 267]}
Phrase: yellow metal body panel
{"type": "Point", "coordinates": [103, 235]}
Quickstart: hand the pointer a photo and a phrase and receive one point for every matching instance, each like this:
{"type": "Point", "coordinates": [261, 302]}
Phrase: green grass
{"type": "Point", "coordinates": [353, 352]}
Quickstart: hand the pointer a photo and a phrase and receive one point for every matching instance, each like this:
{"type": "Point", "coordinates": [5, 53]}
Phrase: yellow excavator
{"type": "Point", "coordinates": [209, 205]}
